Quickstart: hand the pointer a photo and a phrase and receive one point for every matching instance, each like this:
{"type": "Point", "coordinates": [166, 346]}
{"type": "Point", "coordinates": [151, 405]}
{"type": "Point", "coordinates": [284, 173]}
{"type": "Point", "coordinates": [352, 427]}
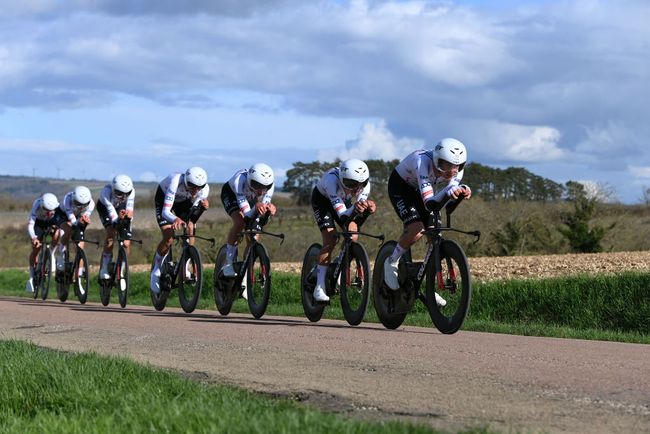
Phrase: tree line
{"type": "Point", "coordinates": [513, 183]}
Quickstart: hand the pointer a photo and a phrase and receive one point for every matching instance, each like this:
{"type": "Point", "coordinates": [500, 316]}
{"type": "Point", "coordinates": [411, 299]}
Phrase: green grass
{"type": "Point", "coordinates": [45, 391]}
{"type": "Point", "coordinates": [605, 307]}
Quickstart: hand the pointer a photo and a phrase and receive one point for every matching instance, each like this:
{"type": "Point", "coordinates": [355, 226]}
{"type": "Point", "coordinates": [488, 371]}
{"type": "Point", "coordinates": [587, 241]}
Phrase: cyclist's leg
{"type": "Point", "coordinates": [229, 201]}
{"type": "Point", "coordinates": [65, 231]}
{"type": "Point", "coordinates": [325, 219]}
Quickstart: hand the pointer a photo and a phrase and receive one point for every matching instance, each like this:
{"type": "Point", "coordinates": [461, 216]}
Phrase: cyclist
{"type": "Point", "coordinates": [418, 185]}
{"type": "Point", "coordinates": [41, 220]}
{"type": "Point", "coordinates": [246, 197]}
{"type": "Point", "coordinates": [340, 192]}
{"type": "Point", "coordinates": [180, 200]}
{"type": "Point", "coordinates": [75, 210]}
{"type": "Point", "coordinates": [115, 203]}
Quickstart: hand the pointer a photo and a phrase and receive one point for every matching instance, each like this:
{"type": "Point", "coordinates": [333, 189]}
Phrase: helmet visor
{"type": "Point", "coordinates": [258, 186]}
{"type": "Point", "coordinates": [191, 186]}
{"type": "Point", "coordinates": [121, 194]}
{"type": "Point", "coordinates": [79, 204]}
{"type": "Point", "coordinates": [353, 184]}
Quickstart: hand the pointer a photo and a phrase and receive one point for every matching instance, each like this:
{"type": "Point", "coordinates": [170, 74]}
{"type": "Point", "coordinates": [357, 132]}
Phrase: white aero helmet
{"type": "Point", "coordinates": [81, 196]}
{"type": "Point", "coordinates": [122, 185]}
{"type": "Point", "coordinates": [354, 174]}
{"type": "Point", "coordinates": [260, 177]}
{"type": "Point", "coordinates": [195, 177]}
{"type": "Point", "coordinates": [49, 202]}
{"type": "Point", "coordinates": [450, 150]}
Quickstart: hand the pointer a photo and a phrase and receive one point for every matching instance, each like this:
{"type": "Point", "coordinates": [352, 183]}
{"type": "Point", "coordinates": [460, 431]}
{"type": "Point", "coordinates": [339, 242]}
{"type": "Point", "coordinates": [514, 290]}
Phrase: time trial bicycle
{"type": "Point", "coordinates": [44, 265]}
{"type": "Point", "coordinates": [75, 272]}
{"type": "Point", "coordinates": [253, 275]}
{"type": "Point", "coordinates": [186, 273]}
{"type": "Point", "coordinates": [446, 269]}
{"type": "Point", "coordinates": [348, 275]}
{"type": "Point", "coordinates": [119, 269]}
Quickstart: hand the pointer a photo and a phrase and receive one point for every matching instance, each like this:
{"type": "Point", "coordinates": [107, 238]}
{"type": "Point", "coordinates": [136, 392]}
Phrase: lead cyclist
{"type": "Point", "coordinates": [417, 186]}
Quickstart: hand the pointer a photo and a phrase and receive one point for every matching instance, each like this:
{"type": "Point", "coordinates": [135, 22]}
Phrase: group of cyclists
{"type": "Point", "coordinates": [417, 185]}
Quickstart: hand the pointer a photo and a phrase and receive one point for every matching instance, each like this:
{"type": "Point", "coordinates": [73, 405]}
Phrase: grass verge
{"type": "Point", "coordinates": [612, 307]}
{"type": "Point", "coordinates": [48, 391]}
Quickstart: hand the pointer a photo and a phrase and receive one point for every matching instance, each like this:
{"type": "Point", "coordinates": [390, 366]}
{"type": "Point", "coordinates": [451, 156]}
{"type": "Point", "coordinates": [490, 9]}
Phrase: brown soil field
{"type": "Point", "coordinates": [542, 266]}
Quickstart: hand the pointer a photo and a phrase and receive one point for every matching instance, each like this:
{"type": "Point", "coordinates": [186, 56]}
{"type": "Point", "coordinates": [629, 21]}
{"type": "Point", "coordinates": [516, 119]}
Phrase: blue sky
{"type": "Point", "coordinates": [91, 88]}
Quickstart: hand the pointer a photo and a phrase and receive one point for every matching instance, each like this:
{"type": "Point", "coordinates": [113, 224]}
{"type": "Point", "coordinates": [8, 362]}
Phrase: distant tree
{"type": "Point", "coordinates": [302, 178]}
{"type": "Point", "coordinates": [645, 195]}
{"type": "Point", "coordinates": [582, 237]}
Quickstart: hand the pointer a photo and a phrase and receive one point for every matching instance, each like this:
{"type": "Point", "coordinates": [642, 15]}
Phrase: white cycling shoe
{"type": "Point", "coordinates": [228, 270]}
{"type": "Point", "coordinates": [155, 281]}
{"type": "Point", "coordinates": [29, 287]}
{"type": "Point", "coordinates": [391, 273]}
{"type": "Point", "coordinates": [441, 302]}
{"type": "Point", "coordinates": [319, 294]}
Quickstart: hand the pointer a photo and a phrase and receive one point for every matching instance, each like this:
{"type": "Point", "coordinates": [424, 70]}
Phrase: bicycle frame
{"type": "Point", "coordinates": [347, 241]}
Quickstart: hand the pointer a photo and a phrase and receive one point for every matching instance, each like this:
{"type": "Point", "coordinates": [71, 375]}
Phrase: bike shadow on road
{"type": "Point", "coordinates": [235, 318]}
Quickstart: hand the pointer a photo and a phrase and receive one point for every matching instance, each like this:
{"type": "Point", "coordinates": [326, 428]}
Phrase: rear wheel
{"type": "Point", "coordinates": [355, 284]}
{"type": "Point", "coordinates": [313, 310]}
{"type": "Point", "coordinates": [159, 300]}
{"type": "Point", "coordinates": [63, 278]}
{"type": "Point", "coordinates": [384, 298]}
{"type": "Point", "coordinates": [453, 284]}
{"type": "Point", "coordinates": [224, 288]}
{"type": "Point", "coordinates": [122, 276]}
{"type": "Point", "coordinates": [81, 275]}
{"type": "Point", "coordinates": [105, 287]}
{"type": "Point", "coordinates": [191, 279]}
{"type": "Point", "coordinates": [258, 281]}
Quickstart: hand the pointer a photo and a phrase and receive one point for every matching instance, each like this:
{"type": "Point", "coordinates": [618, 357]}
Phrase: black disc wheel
{"type": "Point", "coordinates": [258, 281]}
{"type": "Point", "coordinates": [313, 309]}
{"type": "Point", "coordinates": [105, 291]}
{"type": "Point", "coordinates": [122, 277]}
{"type": "Point", "coordinates": [63, 278]}
{"type": "Point", "coordinates": [159, 300]}
{"type": "Point", "coordinates": [384, 298]}
{"type": "Point", "coordinates": [355, 284]}
{"type": "Point", "coordinates": [191, 279]}
{"type": "Point", "coordinates": [81, 276]}
{"type": "Point", "coordinates": [45, 274]}
{"type": "Point", "coordinates": [224, 288]}
{"type": "Point", "coordinates": [453, 284]}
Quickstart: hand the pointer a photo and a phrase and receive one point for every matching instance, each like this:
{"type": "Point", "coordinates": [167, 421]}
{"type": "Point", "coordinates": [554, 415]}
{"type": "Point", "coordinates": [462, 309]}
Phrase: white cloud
{"type": "Point", "coordinates": [148, 176]}
{"type": "Point", "coordinates": [511, 143]}
{"type": "Point", "coordinates": [642, 172]}
{"type": "Point", "coordinates": [41, 147]}
{"type": "Point", "coordinates": [374, 142]}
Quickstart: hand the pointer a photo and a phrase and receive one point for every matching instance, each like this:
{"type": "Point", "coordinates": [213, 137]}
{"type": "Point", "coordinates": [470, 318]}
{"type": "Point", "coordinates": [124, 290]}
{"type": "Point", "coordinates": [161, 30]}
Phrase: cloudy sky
{"type": "Point", "coordinates": [91, 88]}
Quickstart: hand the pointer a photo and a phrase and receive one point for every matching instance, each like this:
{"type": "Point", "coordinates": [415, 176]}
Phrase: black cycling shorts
{"type": "Point", "coordinates": [324, 211]}
{"type": "Point", "coordinates": [229, 199]}
{"type": "Point", "coordinates": [182, 210]}
{"type": "Point", "coordinates": [406, 201]}
{"type": "Point", "coordinates": [42, 226]}
{"type": "Point", "coordinates": [104, 215]}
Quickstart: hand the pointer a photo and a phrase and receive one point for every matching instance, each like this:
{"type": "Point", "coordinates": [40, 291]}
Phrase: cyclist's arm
{"type": "Point", "coordinates": [130, 202]}
{"type": "Point", "coordinates": [266, 199]}
{"type": "Point", "coordinates": [203, 194]}
{"type": "Point", "coordinates": [240, 189]}
{"type": "Point", "coordinates": [170, 195]}
{"type": "Point", "coordinates": [69, 209]}
{"type": "Point", "coordinates": [89, 210]}
{"type": "Point", "coordinates": [32, 219]}
{"type": "Point", "coordinates": [105, 198]}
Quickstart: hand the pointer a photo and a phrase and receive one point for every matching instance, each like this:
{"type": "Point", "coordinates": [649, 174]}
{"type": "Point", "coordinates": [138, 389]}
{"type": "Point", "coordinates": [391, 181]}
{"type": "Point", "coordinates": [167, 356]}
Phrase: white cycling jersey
{"type": "Point", "coordinates": [245, 195]}
{"type": "Point", "coordinates": [174, 188]}
{"type": "Point", "coordinates": [330, 186]}
{"type": "Point", "coordinates": [417, 170]}
{"type": "Point", "coordinates": [72, 211]}
{"type": "Point", "coordinates": [114, 203]}
{"type": "Point", "coordinates": [38, 213]}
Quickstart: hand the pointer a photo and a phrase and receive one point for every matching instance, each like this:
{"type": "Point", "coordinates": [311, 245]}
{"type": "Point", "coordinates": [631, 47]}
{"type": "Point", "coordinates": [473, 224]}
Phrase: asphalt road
{"type": "Point", "coordinates": [507, 383]}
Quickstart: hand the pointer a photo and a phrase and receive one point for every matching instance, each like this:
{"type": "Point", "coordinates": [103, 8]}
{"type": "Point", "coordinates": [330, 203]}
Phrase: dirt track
{"type": "Point", "coordinates": [449, 382]}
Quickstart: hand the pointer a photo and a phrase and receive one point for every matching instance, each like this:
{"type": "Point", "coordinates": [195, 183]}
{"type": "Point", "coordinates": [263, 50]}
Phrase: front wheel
{"type": "Point", "coordinates": [355, 284]}
{"type": "Point", "coordinates": [159, 300]}
{"type": "Point", "coordinates": [63, 279]}
{"type": "Point", "coordinates": [258, 281]}
{"type": "Point", "coordinates": [189, 285]}
{"type": "Point", "coordinates": [384, 298]}
{"type": "Point", "coordinates": [308, 275]}
{"type": "Point", "coordinates": [224, 288]}
{"type": "Point", "coordinates": [122, 277]}
{"type": "Point", "coordinates": [453, 284]}
{"type": "Point", "coordinates": [46, 274]}
{"type": "Point", "coordinates": [80, 279]}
